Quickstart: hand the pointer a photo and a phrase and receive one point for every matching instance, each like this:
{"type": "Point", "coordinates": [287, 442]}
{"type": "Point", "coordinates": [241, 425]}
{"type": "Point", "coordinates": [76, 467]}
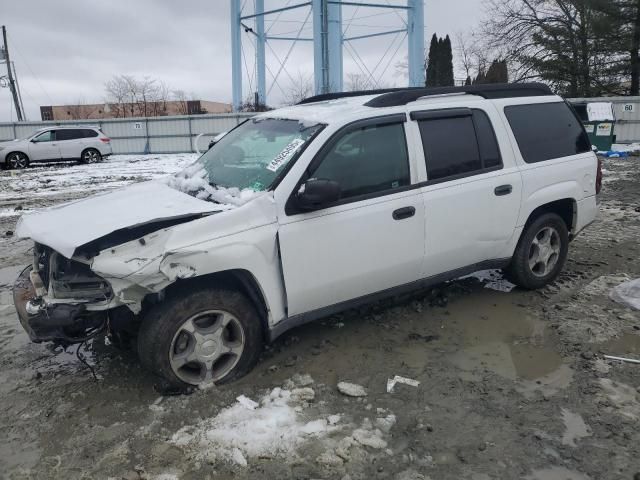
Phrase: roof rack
{"type": "Point", "coordinates": [401, 96]}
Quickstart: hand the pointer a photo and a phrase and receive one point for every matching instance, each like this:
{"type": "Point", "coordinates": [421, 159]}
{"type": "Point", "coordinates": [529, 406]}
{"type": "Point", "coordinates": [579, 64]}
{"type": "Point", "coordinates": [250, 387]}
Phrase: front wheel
{"type": "Point", "coordinates": [17, 160]}
{"type": "Point", "coordinates": [199, 337]}
{"type": "Point", "coordinates": [91, 155]}
{"type": "Point", "coordinates": [541, 252]}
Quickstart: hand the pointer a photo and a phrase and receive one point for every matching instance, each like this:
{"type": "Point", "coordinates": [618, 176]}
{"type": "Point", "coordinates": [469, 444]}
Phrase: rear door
{"type": "Point", "coordinates": [71, 142]}
{"type": "Point", "coordinates": [373, 238]}
{"type": "Point", "coordinates": [473, 191]}
{"type": "Point", "coordinates": [44, 147]}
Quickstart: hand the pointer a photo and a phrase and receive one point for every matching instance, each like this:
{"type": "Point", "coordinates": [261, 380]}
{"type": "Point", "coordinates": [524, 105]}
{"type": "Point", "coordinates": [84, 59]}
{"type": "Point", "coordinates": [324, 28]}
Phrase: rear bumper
{"type": "Point", "coordinates": [55, 321]}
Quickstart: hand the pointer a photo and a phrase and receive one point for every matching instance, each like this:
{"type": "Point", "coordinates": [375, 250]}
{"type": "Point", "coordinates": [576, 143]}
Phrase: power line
{"type": "Point", "coordinates": [24, 60]}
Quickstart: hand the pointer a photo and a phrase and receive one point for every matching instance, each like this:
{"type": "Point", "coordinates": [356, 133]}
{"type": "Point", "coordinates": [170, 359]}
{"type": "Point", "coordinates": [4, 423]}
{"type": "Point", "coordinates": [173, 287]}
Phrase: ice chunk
{"type": "Point", "coordinates": [351, 389]}
{"type": "Point", "coordinates": [627, 293]}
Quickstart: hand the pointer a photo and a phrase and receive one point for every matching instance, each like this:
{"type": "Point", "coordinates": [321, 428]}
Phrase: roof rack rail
{"type": "Point", "coordinates": [401, 96]}
{"type": "Point", "coordinates": [323, 97]}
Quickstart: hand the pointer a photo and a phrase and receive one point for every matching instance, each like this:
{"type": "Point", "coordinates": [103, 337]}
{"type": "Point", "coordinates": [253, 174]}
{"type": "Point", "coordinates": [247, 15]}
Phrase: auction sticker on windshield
{"type": "Point", "coordinates": [284, 155]}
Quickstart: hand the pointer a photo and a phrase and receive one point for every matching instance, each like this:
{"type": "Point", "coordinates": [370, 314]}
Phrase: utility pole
{"type": "Point", "coordinates": [12, 83]}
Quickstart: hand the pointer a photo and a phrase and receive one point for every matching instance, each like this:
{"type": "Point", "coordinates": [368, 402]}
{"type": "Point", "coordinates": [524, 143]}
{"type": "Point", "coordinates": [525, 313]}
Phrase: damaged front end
{"type": "Point", "coordinates": [60, 299]}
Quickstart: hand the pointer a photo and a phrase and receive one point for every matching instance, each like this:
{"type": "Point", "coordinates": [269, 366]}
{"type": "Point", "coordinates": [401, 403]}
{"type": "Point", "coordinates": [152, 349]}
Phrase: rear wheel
{"type": "Point", "coordinates": [199, 337]}
{"type": "Point", "coordinates": [541, 252]}
{"type": "Point", "coordinates": [91, 155]}
{"type": "Point", "coordinates": [17, 160]}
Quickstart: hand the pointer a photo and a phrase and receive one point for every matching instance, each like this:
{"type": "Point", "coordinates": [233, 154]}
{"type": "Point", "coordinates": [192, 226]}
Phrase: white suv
{"type": "Point", "coordinates": [308, 210]}
{"type": "Point", "coordinates": [86, 144]}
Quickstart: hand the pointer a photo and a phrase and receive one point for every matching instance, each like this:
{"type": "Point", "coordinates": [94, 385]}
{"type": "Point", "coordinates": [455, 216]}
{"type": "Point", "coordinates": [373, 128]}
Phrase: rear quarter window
{"type": "Point", "coordinates": [89, 133]}
{"type": "Point", "coordinates": [545, 131]}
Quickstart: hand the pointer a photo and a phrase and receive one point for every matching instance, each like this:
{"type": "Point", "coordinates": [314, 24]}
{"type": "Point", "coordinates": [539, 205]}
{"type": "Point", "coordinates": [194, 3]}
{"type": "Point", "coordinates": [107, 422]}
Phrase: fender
{"type": "Point", "coordinates": [569, 189]}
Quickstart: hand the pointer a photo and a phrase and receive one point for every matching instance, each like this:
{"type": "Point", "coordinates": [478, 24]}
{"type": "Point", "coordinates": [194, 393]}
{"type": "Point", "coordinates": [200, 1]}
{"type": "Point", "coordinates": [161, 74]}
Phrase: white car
{"type": "Point", "coordinates": [86, 144]}
{"type": "Point", "coordinates": [308, 210]}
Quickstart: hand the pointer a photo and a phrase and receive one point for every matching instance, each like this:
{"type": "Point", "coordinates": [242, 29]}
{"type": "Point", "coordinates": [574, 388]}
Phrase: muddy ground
{"type": "Point", "coordinates": [512, 384]}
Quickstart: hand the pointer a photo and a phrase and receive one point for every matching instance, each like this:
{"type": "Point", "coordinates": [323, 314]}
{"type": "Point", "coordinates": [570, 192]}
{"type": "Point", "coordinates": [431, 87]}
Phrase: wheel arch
{"type": "Point", "coordinates": [17, 151]}
{"type": "Point", "coordinates": [237, 279]}
{"type": "Point", "coordinates": [566, 208]}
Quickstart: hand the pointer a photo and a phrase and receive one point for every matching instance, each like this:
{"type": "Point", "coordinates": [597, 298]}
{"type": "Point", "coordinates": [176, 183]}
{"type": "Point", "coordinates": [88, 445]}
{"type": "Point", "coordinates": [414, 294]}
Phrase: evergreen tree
{"type": "Point", "coordinates": [440, 63]}
{"type": "Point", "coordinates": [498, 72]}
{"type": "Point", "coordinates": [432, 63]}
{"type": "Point", "coordinates": [446, 65]}
{"type": "Point", "coordinates": [467, 82]}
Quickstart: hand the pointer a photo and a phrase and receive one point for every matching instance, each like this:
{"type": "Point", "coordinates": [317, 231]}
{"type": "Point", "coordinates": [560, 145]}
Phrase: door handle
{"type": "Point", "coordinates": [402, 213]}
{"type": "Point", "coordinates": [503, 190]}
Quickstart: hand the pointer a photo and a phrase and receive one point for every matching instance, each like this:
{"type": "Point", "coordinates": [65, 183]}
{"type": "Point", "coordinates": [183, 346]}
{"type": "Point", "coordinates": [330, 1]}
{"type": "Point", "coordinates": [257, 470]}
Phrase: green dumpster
{"type": "Point", "coordinates": [598, 121]}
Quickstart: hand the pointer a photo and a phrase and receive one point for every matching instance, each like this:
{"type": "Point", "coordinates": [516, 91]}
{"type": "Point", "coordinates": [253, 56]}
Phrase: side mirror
{"type": "Point", "coordinates": [317, 193]}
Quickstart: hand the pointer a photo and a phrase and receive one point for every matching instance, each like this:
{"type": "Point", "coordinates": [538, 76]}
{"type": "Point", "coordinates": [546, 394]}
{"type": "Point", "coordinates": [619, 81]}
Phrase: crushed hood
{"type": "Point", "coordinates": [69, 226]}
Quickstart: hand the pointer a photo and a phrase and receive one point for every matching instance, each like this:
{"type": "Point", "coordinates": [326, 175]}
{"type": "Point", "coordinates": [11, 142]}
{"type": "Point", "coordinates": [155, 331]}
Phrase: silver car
{"type": "Point", "coordinates": [86, 144]}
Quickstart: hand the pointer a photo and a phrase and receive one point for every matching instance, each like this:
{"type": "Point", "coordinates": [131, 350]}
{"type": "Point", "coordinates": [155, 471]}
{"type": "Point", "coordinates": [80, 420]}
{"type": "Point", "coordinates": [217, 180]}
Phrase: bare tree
{"type": "Point", "coordinates": [117, 91]}
{"type": "Point", "coordinates": [300, 88]}
{"type": "Point", "coordinates": [181, 97]}
{"type": "Point", "coordinates": [472, 54]}
{"type": "Point", "coordinates": [357, 82]}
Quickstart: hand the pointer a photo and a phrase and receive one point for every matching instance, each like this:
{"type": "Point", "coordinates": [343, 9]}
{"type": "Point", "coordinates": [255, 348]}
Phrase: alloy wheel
{"type": "Point", "coordinates": [544, 251]}
{"type": "Point", "coordinates": [206, 347]}
{"type": "Point", "coordinates": [18, 160]}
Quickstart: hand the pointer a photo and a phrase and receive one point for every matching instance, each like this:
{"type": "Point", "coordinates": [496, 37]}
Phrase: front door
{"type": "Point", "coordinates": [369, 241]}
{"type": "Point", "coordinates": [44, 147]}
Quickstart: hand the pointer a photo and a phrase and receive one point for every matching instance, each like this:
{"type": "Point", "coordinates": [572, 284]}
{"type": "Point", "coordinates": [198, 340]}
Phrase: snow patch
{"type": "Point", "coordinates": [195, 181]}
{"type": "Point", "coordinates": [627, 293]}
{"type": "Point", "coordinates": [274, 429]}
{"type": "Point", "coordinates": [351, 389]}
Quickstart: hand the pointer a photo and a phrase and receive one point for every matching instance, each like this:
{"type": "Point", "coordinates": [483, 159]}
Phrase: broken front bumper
{"type": "Point", "coordinates": [51, 321]}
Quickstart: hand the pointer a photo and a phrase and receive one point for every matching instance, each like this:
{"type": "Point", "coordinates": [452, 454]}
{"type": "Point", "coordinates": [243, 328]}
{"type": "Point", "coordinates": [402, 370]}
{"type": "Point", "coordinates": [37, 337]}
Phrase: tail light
{"type": "Point", "coordinates": [105, 139]}
{"type": "Point", "coordinates": [599, 176]}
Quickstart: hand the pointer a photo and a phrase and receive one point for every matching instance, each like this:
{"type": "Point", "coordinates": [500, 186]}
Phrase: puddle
{"type": "Point", "coordinates": [628, 344]}
{"type": "Point", "coordinates": [575, 428]}
{"type": "Point", "coordinates": [501, 337]}
{"type": "Point", "coordinates": [556, 473]}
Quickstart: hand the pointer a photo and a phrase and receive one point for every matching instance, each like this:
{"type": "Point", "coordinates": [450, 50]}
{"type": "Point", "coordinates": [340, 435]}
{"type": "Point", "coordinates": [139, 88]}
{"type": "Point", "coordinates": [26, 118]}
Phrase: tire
{"type": "Point", "coordinates": [181, 340]}
{"type": "Point", "coordinates": [91, 155]}
{"type": "Point", "coordinates": [17, 160]}
{"type": "Point", "coordinates": [541, 252]}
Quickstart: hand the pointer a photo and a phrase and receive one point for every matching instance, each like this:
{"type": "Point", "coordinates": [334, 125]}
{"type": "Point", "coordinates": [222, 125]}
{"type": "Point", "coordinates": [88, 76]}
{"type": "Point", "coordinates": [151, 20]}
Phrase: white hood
{"type": "Point", "coordinates": [71, 225]}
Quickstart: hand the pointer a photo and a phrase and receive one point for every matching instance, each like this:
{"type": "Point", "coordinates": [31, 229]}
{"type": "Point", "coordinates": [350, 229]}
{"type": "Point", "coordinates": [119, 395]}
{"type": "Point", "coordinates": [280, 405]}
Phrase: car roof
{"type": "Point", "coordinates": [93, 127]}
{"type": "Point", "coordinates": [340, 107]}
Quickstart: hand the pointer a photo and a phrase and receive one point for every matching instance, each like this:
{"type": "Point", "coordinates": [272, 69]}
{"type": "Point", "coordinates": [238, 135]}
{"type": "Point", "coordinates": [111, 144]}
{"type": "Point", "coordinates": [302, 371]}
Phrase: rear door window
{"type": "Point", "coordinates": [68, 134]}
{"type": "Point", "coordinates": [458, 145]}
{"type": "Point", "coordinates": [547, 130]}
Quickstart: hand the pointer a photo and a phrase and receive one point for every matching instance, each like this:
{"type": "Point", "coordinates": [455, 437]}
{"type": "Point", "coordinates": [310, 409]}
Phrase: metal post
{"type": "Point", "coordinates": [236, 55]}
{"type": "Point", "coordinates": [415, 27]}
{"type": "Point", "coordinates": [260, 58]}
{"type": "Point", "coordinates": [12, 83]}
{"type": "Point", "coordinates": [318, 65]}
{"type": "Point", "coordinates": [334, 47]}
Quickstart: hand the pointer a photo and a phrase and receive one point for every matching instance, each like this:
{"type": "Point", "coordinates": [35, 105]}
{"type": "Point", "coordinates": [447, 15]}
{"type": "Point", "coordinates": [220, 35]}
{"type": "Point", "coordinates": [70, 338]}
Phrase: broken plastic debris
{"type": "Point", "coordinates": [391, 383]}
{"type": "Point", "coordinates": [247, 402]}
{"type": "Point", "coordinates": [622, 359]}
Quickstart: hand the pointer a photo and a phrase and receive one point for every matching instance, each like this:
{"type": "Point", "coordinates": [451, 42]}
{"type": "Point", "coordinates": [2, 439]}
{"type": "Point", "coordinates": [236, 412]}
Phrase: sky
{"type": "Point", "coordinates": [65, 50]}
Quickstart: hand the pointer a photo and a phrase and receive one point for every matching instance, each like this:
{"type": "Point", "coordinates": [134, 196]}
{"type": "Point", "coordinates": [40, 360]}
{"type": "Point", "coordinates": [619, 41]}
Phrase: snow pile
{"type": "Point", "coordinates": [279, 426]}
{"type": "Point", "coordinates": [627, 293]}
{"type": "Point", "coordinates": [272, 429]}
{"type": "Point", "coordinates": [194, 181]}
